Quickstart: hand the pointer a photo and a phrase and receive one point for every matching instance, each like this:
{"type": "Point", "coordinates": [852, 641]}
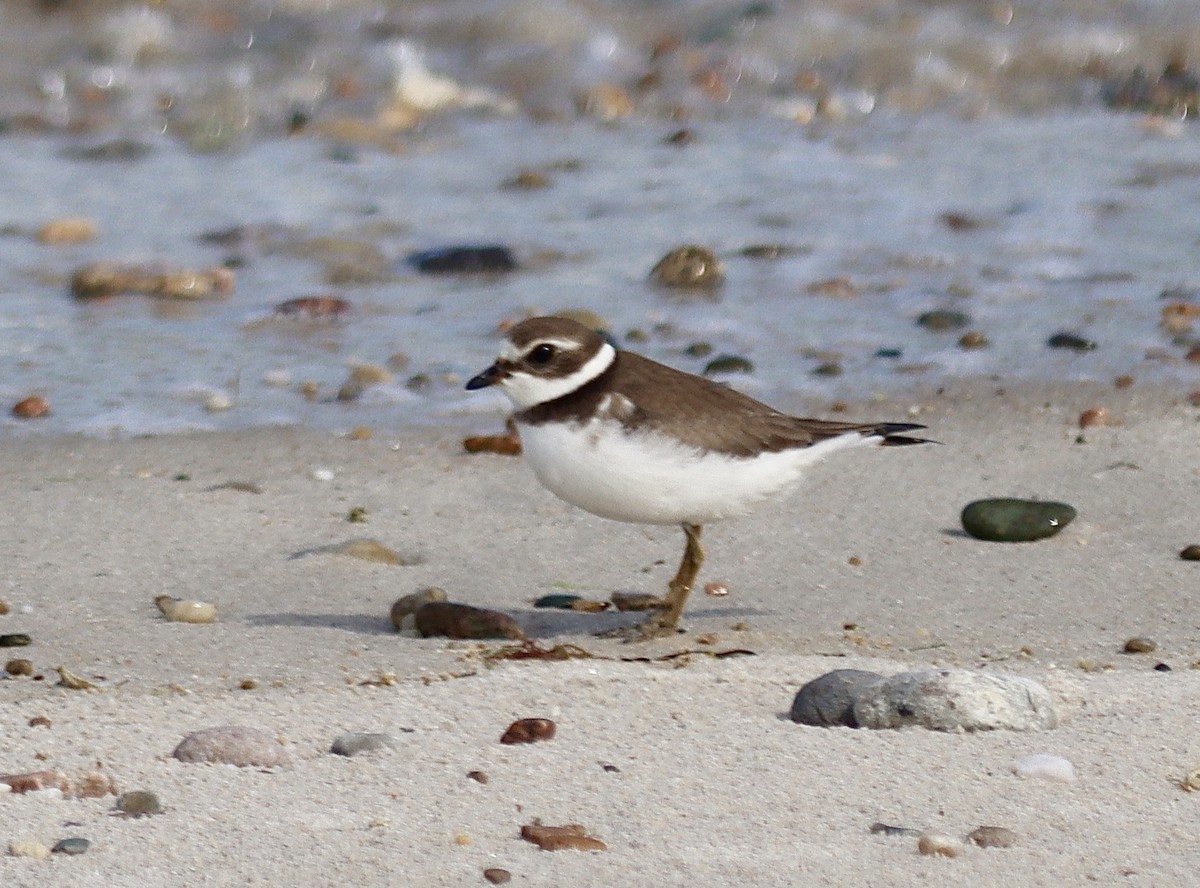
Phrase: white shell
{"type": "Point", "coordinates": [181, 610]}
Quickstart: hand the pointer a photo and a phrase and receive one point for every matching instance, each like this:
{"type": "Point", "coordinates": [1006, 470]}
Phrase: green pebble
{"type": "Point", "coordinates": [558, 602]}
{"type": "Point", "coordinates": [15, 640]}
{"type": "Point", "coordinates": [728, 364]}
{"type": "Point", "coordinates": [942, 320]}
{"type": "Point", "coordinates": [1015, 520]}
{"type": "Point", "coordinates": [139, 803]}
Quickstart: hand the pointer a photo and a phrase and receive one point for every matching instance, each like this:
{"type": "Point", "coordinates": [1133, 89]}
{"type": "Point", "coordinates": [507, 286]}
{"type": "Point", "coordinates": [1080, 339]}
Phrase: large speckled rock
{"type": "Point", "coordinates": [956, 700]}
{"type": "Point", "coordinates": [233, 745]}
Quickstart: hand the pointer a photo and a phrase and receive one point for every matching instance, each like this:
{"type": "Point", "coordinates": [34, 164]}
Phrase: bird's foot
{"type": "Point", "coordinates": [655, 627]}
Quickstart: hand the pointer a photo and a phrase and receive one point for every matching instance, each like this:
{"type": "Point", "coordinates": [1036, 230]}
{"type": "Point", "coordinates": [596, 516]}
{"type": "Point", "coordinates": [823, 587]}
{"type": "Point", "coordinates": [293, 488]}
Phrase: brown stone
{"type": "Point", "coordinates": [529, 730]}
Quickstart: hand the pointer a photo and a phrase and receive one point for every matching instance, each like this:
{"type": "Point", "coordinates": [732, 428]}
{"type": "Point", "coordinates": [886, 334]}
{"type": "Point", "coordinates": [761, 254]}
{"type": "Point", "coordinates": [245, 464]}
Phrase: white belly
{"type": "Point", "coordinates": [650, 479]}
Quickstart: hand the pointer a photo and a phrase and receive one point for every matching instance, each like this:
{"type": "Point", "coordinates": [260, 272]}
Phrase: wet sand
{"type": "Point", "coordinates": [689, 768]}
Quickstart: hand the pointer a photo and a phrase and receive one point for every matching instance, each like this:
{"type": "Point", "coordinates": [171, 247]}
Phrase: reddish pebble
{"type": "Point", "coordinates": [1123, 381]}
{"type": "Point", "coordinates": [571, 837]}
{"type": "Point", "coordinates": [36, 780]}
{"type": "Point", "coordinates": [313, 307]}
{"type": "Point", "coordinates": [529, 730]}
{"type": "Point", "coordinates": [497, 876]}
{"type": "Point", "coordinates": [1095, 416]}
{"type": "Point", "coordinates": [717, 590]}
{"type": "Point", "coordinates": [32, 407]}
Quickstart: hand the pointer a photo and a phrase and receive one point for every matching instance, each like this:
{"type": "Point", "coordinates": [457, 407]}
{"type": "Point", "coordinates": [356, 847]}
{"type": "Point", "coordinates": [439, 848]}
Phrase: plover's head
{"type": "Point", "coordinates": [544, 359]}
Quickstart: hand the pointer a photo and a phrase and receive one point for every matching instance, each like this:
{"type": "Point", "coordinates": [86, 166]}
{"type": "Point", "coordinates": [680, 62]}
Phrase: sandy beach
{"type": "Point", "coordinates": [687, 768]}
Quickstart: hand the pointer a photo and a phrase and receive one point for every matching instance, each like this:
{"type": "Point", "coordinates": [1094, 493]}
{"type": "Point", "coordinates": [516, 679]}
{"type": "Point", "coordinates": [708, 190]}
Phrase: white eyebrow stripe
{"type": "Point", "coordinates": [510, 352]}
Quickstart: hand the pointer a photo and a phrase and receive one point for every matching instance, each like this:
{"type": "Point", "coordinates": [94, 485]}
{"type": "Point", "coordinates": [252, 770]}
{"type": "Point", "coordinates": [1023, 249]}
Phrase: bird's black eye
{"type": "Point", "coordinates": [542, 354]}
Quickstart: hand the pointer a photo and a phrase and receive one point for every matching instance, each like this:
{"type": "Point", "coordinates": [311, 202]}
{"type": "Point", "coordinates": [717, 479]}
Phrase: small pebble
{"type": "Point", "coordinates": [463, 621]}
{"type": "Point", "coordinates": [36, 781]}
{"type": "Point", "coordinates": [943, 320]}
{"type": "Point", "coordinates": [94, 785]}
{"type": "Point", "coordinates": [689, 267]}
{"type": "Point", "coordinates": [487, 259]}
{"type": "Point", "coordinates": [728, 364]}
{"type": "Point", "coordinates": [527, 180]}
{"type": "Point", "coordinates": [497, 876]}
{"type": "Point", "coordinates": [1015, 520]}
{"type": "Point", "coordinates": [72, 845]}
{"type": "Point", "coordinates": [478, 776]}
{"type": "Point", "coordinates": [572, 837]}
{"type": "Point", "coordinates": [218, 402]}
{"type": "Point", "coordinates": [313, 307]}
{"type": "Point", "coordinates": [14, 639]}
{"type": "Point", "coordinates": [1094, 416]}
{"type": "Point", "coordinates": [233, 745]}
{"type": "Point", "coordinates": [408, 605]}
{"type": "Point", "coordinates": [1140, 645]}
{"type": "Point", "coordinates": [605, 101]}
{"type": "Point", "coordinates": [1191, 553]}
{"type": "Point", "coordinates": [28, 848]}
{"type": "Point", "coordinates": [973, 339]}
{"type": "Point", "coordinates": [1071, 342]}
{"type": "Point", "coordinates": [828, 700]}
{"type": "Point", "coordinates": [529, 730]}
{"type": "Point", "coordinates": [1162, 667]}
{"type": "Point", "coordinates": [503, 445]}
{"type": "Point", "coordinates": [69, 679]}
{"type": "Point", "coordinates": [1191, 780]}
{"type": "Point", "coordinates": [992, 837]}
{"type": "Point", "coordinates": [717, 590]}
{"type": "Point", "coordinates": [354, 742]}
{"type": "Point", "coordinates": [358, 515]}
{"type": "Point", "coordinates": [67, 231]}
{"type": "Point", "coordinates": [139, 803]}
{"type": "Point", "coordinates": [19, 667]}
{"type": "Point", "coordinates": [33, 407]}
{"type": "Point", "coordinates": [1123, 381]}
{"type": "Point", "coordinates": [558, 601]}
{"type": "Point", "coordinates": [931, 843]}
{"type": "Point", "coordinates": [180, 610]}
{"type": "Point", "coordinates": [370, 550]}
{"type": "Point", "coordinates": [636, 601]}
{"type": "Point", "coordinates": [1046, 767]}
{"type": "Point", "coordinates": [322, 474]}
{"type": "Point", "coordinates": [888, 830]}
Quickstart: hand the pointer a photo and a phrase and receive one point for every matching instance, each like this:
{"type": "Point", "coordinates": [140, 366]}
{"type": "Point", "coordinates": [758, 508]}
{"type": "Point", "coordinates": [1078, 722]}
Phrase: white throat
{"type": "Point", "coordinates": [526, 390]}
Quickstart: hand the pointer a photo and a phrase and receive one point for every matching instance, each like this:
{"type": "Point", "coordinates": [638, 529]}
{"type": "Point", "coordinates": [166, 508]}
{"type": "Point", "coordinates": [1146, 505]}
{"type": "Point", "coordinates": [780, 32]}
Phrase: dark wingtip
{"type": "Point", "coordinates": [893, 434]}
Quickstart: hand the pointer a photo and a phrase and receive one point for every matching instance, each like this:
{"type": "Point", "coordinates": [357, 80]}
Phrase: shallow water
{"type": "Point", "coordinates": [1064, 216]}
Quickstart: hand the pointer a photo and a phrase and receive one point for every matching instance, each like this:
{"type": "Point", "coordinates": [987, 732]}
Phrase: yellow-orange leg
{"type": "Point", "coordinates": [678, 589]}
{"type": "Point", "coordinates": [666, 620]}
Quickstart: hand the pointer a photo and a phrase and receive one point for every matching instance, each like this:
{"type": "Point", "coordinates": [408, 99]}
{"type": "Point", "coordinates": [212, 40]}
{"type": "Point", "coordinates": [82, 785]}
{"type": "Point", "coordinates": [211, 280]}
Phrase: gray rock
{"type": "Point", "coordinates": [72, 845]}
{"type": "Point", "coordinates": [354, 742]}
{"type": "Point", "coordinates": [828, 700]}
{"type": "Point", "coordinates": [956, 700]}
{"type": "Point", "coordinates": [233, 745]}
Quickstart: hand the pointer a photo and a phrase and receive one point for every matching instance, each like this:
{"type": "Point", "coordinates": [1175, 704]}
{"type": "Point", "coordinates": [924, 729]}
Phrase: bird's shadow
{"type": "Point", "coordinates": [553, 623]}
{"type": "Point", "coordinates": [537, 623]}
{"type": "Point", "coordinates": [361, 624]}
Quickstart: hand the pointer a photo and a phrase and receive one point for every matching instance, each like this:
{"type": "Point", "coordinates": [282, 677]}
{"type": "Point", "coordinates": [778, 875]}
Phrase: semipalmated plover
{"type": "Point", "coordinates": [633, 440]}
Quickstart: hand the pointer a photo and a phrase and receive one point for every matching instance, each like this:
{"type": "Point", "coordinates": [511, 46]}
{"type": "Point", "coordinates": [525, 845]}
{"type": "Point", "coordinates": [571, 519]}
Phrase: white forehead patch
{"type": "Point", "coordinates": [526, 391]}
